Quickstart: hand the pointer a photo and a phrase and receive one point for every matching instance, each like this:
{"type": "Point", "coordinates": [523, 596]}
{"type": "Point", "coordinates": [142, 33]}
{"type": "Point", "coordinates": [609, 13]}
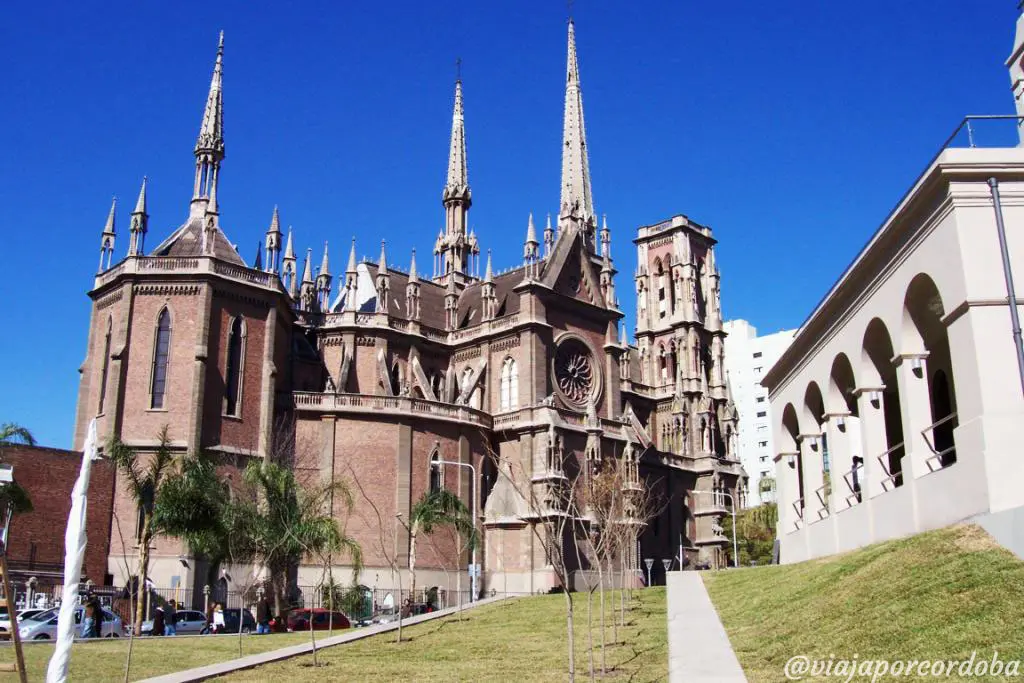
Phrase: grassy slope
{"type": "Point", "coordinates": [523, 640]}
{"type": "Point", "coordinates": [938, 595]}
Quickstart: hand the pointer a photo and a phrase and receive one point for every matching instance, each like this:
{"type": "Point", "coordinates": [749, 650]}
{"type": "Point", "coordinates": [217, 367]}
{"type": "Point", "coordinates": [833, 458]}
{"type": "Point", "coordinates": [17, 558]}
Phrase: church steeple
{"type": "Point", "coordinates": [577, 203]}
{"type": "Point", "coordinates": [453, 246]}
{"type": "Point", "coordinates": [209, 149]}
{"type": "Point", "coordinates": [383, 281]}
{"type": "Point", "coordinates": [412, 291]}
{"type": "Point", "coordinates": [307, 290]}
{"type": "Point", "coordinates": [531, 250]}
{"type": "Point", "coordinates": [323, 282]}
{"type": "Point", "coordinates": [107, 238]}
{"type": "Point", "coordinates": [351, 279]}
{"type": "Point", "coordinates": [140, 224]}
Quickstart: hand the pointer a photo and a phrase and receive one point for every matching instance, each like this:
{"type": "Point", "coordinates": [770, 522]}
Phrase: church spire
{"type": "Point", "coordinates": [531, 250]}
{"type": "Point", "coordinates": [323, 282]}
{"type": "Point", "coordinates": [209, 149]}
{"type": "Point", "coordinates": [107, 238]}
{"type": "Point", "coordinates": [288, 274]}
{"type": "Point", "coordinates": [140, 224]}
{"type": "Point", "coordinates": [453, 246]}
{"type": "Point", "coordinates": [576, 199]}
{"type": "Point", "coordinates": [383, 281]}
{"type": "Point", "coordinates": [351, 279]}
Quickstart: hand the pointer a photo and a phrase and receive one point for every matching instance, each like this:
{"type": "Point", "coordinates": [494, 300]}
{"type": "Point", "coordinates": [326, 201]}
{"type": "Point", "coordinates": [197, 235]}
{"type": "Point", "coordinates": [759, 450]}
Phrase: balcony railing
{"type": "Point", "coordinates": [893, 478]}
{"type": "Point", "coordinates": [947, 456]}
{"type": "Point", "coordinates": [187, 265]}
{"type": "Point", "coordinates": [392, 405]}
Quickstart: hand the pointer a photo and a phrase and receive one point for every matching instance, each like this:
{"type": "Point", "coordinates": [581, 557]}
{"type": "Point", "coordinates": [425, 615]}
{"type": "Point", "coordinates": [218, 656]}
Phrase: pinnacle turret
{"type": "Point", "coordinates": [531, 250]}
{"type": "Point", "coordinates": [107, 238]}
{"type": "Point", "coordinates": [413, 276]}
{"type": "Point", "coordinates": [383, 281]}
{"type": "Point", "coordinates": [412, 291]}
{"type": "Point", "coordinates": [351, 279]}
{"type": "Point", "coordinates": [307, 289]}
{"type": "Point", "coordinates": [488, 298]}
{"type": "Point", "coordinates": [489, 274]}
{"type": "Point", "coordinates": [549, 238]}
{"type": "Point", "coordinates": [323, 282]}
{"type": "Point", "coordinates": [274, 242]}
{"type": "Point", "coordinates": [140, 224]}
{"type": "Point", "coordinates": [288, 273]}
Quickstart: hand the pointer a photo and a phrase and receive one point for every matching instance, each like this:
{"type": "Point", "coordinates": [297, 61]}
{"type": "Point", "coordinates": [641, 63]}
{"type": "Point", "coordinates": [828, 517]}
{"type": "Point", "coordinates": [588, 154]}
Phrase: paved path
{"type": "Point", "coordinates": [699, 651]}
{"type": "Point", "coordinates": [213, 670]}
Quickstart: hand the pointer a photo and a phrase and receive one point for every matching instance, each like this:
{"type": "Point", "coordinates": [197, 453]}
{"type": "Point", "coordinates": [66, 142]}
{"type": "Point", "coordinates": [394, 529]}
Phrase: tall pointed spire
{"type": "Point", "coordinates": [413, 276]}
{"type": "Point", "coordinates": [351, 279]}
{"type": "Point", "coordinates": [458, 176]}
{"type": "Point", "coordinates": [323, 282]}
{"type": "Point", "coordinates": [140, 224]}
{"type": "Point", "coordinates": [382, 262]}
{"type": "Point", "coordinates": [383, 281]}
{"type": "Point", "coordinates": [209, 149]}
{"type": "Point", "coordinates": [576, 196]}
{"type": "Point", "coordinates": [352, 258]}
{"type": "Point", "coordinates": [489, 274]}
{"type": "Point", "coordinates": [453, 247]}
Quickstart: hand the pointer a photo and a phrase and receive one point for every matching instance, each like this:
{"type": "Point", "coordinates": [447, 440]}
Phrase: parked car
{"type": "Point", "coordinates": [298, 619]}
{"type": "Point", "coordinates": [190, 622]}
{"type": "Point", "coordinates": [231, 621]}
{"type": "Point", "coordinates": [28, 614]}
{"type": "Point", "coordinates": [44, 626]}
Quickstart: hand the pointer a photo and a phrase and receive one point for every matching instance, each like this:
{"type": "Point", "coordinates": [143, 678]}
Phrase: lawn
{"type": "Point", "coordinates": [938, 595]}
{"type": "Point", "coordinates": [104, 660]}
{"type": "Point", "coordinates": [521, 640]}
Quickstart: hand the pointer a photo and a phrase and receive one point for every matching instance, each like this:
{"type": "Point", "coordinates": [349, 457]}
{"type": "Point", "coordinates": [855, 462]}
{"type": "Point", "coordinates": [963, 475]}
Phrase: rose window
{"type": "Point", "coordinates": [574, 372]}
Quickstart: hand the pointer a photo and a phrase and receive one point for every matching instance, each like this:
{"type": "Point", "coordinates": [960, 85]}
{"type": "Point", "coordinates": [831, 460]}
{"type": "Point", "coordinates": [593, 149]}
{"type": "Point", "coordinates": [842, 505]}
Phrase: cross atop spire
{"type": "Point", "coordinates": [576, 196]}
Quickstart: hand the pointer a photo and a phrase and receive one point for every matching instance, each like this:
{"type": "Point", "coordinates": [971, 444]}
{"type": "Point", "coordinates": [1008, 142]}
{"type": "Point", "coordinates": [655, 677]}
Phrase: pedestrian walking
{"type": "Point", "coordinates": [171, 618]}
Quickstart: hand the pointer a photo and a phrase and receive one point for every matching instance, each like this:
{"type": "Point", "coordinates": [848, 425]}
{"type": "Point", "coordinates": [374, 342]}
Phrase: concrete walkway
{"type": "Point", "coordinates": [699, 651]}
{"type": "Point", "coordinates": [203, 673]}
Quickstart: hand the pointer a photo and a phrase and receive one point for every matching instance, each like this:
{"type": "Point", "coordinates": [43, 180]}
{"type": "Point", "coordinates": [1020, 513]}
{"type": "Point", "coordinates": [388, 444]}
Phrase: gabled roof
{"type": "Point", "coordinates": [188, 241]}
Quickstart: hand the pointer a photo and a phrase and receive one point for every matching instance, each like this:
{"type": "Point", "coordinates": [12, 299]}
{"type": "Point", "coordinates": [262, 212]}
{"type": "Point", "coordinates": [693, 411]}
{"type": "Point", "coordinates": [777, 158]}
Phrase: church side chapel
{"type": "Point", "coordinates": [498, 386]}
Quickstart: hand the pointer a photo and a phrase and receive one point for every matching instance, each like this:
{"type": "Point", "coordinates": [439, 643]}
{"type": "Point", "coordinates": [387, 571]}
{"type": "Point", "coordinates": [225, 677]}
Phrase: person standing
{"type": "Point", "coordinates": [171, 618]}
{"type": "Point", "coordinates": [88, 621]}
{"type": "Point", "coordinates": [262, 616]}
{"type": "Point", "coordinates": [159, 624]}
{"type": "Point", "coordinates": [218, 618]}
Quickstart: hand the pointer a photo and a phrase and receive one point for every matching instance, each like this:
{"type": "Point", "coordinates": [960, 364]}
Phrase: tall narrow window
{"type": "Point", "coordinates": [161, 350]}
{"type": "Point", "coordinates": [233, 371]}
{"type": "Point", "coordinates": [509, 396]}
{"type": "Point", "coordinates": [435, 473]}
{"type": "Point", "coordinates": [106, 364]}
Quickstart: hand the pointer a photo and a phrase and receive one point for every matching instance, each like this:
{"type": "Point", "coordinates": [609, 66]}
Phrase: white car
{"type": "Point", "coordinates": [44, 626]}
{"type": "Point", "coordinates": [189, 622]}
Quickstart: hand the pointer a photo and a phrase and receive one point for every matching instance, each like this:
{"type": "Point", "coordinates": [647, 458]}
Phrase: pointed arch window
{"type": "Point", "coordinates": [161, 356]}
{"type": "Point", "coordinates": [509, 394]}
{"type": "Point", "coordinates": [436, 473]}
{"type": "Point", "coordinates": [234, 368]}
{"type": "Point", "coordinates": [106, 363]}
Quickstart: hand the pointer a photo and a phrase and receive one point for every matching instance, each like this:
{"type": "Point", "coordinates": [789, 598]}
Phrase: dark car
{"type": "Point", "coordinates": [298, 620]}
{"type": "Point", "coordinates": [231, 621]}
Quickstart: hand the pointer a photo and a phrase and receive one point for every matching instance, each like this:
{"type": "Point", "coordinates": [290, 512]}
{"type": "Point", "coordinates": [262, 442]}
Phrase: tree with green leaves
{"type": "Point", "coordinates": [13, 494]}
{"type": "Point", "coordinates": [144, 477]}
{"type": "Point", "coordinates": [438, 508]}
{"type": "Point", "coordinates": [287, 521]}
{"type": "Point", "coordinates": [755, 533]}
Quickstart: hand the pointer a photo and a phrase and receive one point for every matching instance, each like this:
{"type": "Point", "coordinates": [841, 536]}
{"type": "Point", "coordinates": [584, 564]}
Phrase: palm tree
{"type": "Point", "coordinates": [434, 509]}
{"type": "Point", "coordinates": [287, 521]}
{"type": "Point", "coordinates": [145, 478]}
{"type": "Point", "coordinates": [14, 495]}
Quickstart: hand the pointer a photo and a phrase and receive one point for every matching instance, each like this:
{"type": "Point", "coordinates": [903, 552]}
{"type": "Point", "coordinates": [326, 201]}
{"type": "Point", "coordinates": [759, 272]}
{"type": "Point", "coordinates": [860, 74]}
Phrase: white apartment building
{"type": "Point", "coordinates": [747, 358]}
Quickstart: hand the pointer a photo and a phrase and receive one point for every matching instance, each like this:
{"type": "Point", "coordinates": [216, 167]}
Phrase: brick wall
{"type": "Point", "coordinates": [49, 474]}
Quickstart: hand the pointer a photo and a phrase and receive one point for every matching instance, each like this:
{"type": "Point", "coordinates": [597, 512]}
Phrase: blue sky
{"type": "Point", "coordinates": [791, 128]}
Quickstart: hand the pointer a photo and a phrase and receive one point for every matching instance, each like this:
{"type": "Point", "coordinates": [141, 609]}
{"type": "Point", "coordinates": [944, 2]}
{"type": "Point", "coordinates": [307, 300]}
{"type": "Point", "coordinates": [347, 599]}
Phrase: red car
{"type": "Point", "coordinates": [298, 620]}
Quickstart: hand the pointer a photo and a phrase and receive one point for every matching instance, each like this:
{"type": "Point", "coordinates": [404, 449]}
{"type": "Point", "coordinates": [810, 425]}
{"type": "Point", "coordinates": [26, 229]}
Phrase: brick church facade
{"type": "Point", "coordinates": [395, 379]}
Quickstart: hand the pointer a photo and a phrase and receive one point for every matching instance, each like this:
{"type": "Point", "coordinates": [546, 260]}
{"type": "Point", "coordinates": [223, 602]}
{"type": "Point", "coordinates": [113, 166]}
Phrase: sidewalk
{"type": "Point", "coordinates": [699, 650]}
{"type": "Point", "coordinates": [221, 668]}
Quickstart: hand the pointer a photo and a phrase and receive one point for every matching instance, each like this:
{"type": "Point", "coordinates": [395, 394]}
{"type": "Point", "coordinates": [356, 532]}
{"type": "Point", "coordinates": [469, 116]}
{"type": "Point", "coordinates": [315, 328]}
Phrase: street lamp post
{"type": "Point", "coordinates": [732, 502]}
{"type": "Point", "coordinates": [650, 563]}
{"type": "Point", "coordinates": [667, 564]}
{"type": "Point", "coordinates": [475, 572]}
